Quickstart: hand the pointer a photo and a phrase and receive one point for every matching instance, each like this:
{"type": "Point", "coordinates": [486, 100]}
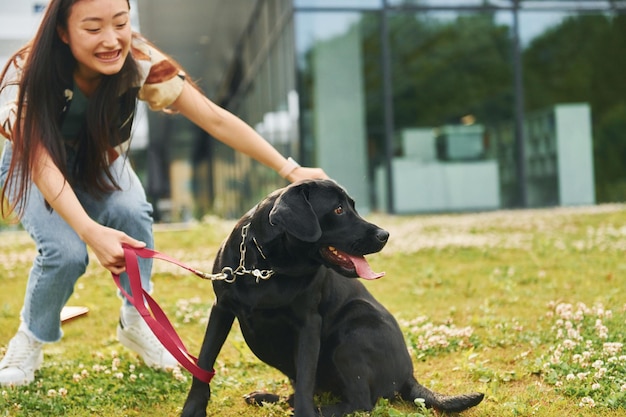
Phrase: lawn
{"type": "Point", "coordinates": [525, 306]}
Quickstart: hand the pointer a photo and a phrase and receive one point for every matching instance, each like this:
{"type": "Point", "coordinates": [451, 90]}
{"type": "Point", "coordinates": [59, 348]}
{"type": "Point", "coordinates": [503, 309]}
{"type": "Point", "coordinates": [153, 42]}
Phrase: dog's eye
{"type": "Point", "coordinates": [339, 210]}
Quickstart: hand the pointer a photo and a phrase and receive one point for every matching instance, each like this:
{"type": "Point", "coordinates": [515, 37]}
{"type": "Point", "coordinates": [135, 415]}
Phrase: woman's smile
{"type": "Point", "coordinates": [109, 57]}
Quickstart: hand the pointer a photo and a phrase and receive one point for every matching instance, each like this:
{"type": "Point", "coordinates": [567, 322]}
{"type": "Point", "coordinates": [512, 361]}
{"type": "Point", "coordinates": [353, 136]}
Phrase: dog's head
{"type": "Point", "coordinates": [319, 216]}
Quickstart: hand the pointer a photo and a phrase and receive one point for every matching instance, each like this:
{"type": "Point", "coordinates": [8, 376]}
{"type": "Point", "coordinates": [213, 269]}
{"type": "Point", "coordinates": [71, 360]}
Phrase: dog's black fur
{"type": "Point", "coordinates": [310, 320]}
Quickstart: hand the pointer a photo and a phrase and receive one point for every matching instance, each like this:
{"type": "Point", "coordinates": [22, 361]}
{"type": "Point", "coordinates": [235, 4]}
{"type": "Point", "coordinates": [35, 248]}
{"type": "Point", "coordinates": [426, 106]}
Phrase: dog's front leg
{"type": "Point", "coordinates": [220, 323]}
{"type": "Point", "coordinates": [306, 366]}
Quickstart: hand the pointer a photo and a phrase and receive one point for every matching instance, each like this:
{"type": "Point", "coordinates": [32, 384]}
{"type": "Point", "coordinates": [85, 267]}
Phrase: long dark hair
{"type": "Point", "coordinates": [47, 66]}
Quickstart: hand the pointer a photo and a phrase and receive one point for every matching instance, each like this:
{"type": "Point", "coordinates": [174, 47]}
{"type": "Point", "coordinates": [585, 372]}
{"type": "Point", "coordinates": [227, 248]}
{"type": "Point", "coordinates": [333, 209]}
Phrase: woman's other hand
{"type": "Point", "coordinates": [106, 243]}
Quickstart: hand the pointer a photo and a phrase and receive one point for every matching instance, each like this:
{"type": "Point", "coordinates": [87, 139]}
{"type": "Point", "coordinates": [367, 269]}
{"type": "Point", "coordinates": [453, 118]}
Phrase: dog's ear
{"type": "Point", "coordinates": [294, 214]}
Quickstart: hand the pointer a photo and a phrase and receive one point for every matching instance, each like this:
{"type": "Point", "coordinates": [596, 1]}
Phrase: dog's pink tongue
{"type": "Point", "coordinates": [363, 268]}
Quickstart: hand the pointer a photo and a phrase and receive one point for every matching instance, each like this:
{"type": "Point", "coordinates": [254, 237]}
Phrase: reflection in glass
{"type": "Point", "coordinates": [579, 59]}
{"type": "Point", "coordinates": [365, 4]}
{"type": "Point", "coordinates": [439, 3]}
{"type": "Point", "coordinates": [334, 67]}
{"type": "Point", "coordinates": [463, 111]}
{"type": "Point", "coordinates": [452, 83]}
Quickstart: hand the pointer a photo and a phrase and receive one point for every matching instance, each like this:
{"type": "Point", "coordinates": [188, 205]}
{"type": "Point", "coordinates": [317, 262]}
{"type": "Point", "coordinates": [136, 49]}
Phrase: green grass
{"type": "Point", "coordinates": [525, 306]}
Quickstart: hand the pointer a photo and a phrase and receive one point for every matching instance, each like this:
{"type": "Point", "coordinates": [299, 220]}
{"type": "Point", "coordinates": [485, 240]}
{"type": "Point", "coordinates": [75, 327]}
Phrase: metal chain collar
{"type": "Point", "coordinates": [229, 275]}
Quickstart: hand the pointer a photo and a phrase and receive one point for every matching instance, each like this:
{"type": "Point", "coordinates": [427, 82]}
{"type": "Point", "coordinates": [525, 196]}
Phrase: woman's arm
{"type": "Point", "coordinates": [235, 133]}
{"type": "Point", "coordinates": [104, 241]}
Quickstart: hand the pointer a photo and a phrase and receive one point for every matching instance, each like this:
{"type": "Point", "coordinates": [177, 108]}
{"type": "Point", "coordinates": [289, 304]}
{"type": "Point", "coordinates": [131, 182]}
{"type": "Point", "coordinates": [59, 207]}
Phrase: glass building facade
{"type": "Point", "coordinates": [430, 105]}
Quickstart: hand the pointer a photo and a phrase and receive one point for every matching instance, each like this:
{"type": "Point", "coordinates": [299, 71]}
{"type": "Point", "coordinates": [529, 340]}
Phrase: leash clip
{"type": "Point", "coordinates": [228, 275]}
{"type": "Point", "coordinates": [261, 275]}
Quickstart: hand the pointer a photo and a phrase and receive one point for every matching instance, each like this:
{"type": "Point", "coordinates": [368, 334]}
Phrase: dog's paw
{"type": "Point", "coordinates": [197, 400]}
{"type": "Point", "coordinates": [191, 411]}
{"type": "Point", "coordinates": [260, 397]}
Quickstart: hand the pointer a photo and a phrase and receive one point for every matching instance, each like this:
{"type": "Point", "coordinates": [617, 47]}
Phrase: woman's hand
{"type": "Point", "coordinates": [303, 173]}
{"type": "Point", "coordinates": [106, 243]}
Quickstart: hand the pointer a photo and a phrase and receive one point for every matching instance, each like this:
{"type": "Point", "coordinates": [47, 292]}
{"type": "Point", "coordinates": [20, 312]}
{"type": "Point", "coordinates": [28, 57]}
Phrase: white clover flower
{"type": "Point", "coordinates": [587, 402]}
{"type": "Point", "coordinates": [569, 344]}
{"type": "Point", "coordinates": [612, 349]}
{"type": "Point", "coordinates": [601, 373]}
{"type": "Point", "coordinates": [602, 330]}
{"type": "Point", "coordinates": [598, 364]}
{"type": "Point", "coordinates": [574, 334]}
{"type": "Point", "coordinates": [564, 310]}
{"type": "Point", "coordinates": [178, 375]}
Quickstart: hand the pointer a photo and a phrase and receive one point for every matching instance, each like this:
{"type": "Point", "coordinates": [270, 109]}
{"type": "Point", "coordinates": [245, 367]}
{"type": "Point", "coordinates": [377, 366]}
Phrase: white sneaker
{"type": "Point", "coordinates": [134, 333]}
{"type": "Point", "coordinates": [24, 356]}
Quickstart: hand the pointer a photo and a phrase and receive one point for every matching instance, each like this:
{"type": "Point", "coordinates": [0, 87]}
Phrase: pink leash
{"type": "Point", "coordinates": [155, 317]}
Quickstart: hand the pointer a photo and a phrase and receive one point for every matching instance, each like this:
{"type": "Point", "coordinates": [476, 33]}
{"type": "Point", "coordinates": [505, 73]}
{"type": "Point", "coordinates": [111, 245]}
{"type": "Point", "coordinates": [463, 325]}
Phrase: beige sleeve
{"type": "Point", "coordinates": [164, 80]}
{"type": "Point", "coordinates": [162, 94]}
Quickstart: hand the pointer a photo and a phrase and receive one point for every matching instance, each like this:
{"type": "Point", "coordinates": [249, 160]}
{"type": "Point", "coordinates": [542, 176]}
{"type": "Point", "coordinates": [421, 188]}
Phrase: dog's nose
{"type": "Point", "coordinates": [382, 235]}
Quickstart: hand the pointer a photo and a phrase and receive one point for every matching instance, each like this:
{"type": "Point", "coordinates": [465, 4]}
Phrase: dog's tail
{"type": "Point", "coordinates": [440, 402]}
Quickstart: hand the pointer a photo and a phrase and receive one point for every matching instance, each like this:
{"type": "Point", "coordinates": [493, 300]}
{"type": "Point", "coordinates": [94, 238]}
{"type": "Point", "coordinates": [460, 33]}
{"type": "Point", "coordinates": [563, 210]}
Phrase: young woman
{"type": "Point", "coordinates": [63, 169]}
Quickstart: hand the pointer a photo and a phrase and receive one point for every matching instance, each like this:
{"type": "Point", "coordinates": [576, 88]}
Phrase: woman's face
{"type": "Point", "coordinates": [99, 35]}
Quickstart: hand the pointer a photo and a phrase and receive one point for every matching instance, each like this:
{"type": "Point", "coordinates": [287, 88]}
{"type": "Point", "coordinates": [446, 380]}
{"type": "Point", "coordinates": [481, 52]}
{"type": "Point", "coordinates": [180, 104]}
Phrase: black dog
{"type": "Point", "coordinates": [308, 319]}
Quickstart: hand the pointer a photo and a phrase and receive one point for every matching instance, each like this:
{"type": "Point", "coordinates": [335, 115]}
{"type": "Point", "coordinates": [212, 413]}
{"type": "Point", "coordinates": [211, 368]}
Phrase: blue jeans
{"type": "Point", "coordinates": [62, 256]}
